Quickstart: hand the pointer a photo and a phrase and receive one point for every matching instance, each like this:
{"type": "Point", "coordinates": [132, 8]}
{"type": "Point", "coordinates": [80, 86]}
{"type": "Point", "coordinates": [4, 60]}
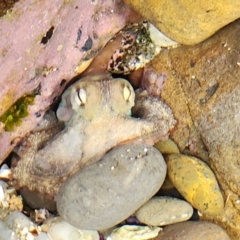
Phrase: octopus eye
{"type": "Point", "coordinates": [126, 93]}
{"type": "Point", "coordinates": [81, 97]}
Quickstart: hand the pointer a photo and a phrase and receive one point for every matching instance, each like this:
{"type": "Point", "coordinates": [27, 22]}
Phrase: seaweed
{"type": "Point", "coordinates": [19, 110]}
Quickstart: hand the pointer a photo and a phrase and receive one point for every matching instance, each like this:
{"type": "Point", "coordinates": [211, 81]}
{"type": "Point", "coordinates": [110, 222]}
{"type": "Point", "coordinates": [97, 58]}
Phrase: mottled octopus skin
{"type": "Point", "coordinates": [100, 123]}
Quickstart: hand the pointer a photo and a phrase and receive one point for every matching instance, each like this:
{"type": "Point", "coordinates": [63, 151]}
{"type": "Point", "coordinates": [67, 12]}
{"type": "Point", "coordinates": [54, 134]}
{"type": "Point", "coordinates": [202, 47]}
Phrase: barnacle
{"type": "Point", "coordinates": [137, 49]}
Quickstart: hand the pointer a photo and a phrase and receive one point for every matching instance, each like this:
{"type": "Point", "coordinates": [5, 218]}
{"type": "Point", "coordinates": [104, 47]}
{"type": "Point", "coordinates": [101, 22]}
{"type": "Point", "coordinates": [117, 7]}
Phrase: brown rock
{"type": "Point", "coordinates": [193, 230]}
{"type": "Point", "coordinates": [203, 90]}
{"type": "Point", "coordinates": [188, 22]}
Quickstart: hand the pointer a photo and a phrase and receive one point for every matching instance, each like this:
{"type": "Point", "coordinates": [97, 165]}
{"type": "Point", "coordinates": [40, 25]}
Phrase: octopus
{"type": "Point", "coordinates": [96, 114]}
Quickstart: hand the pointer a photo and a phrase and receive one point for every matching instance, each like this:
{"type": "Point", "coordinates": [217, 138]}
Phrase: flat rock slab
{"type": "Point", "coordinates": [161, 211]}
{"type": "Point", "coordinates": [105, 193]}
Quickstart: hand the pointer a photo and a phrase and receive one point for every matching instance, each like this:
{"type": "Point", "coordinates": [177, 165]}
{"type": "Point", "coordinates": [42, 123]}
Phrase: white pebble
{"type": "Point", "coordinates": [60, 229]}
{"type": "Point", "coordinates": [134, 233]}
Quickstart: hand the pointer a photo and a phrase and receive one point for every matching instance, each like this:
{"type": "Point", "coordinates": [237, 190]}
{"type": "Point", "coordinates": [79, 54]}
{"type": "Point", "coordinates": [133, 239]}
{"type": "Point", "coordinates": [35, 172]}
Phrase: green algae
{"type": "Point", "coordinates": [19, 110]}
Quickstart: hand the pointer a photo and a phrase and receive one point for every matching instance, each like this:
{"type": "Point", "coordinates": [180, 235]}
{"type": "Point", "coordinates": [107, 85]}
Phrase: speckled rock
{"type": "Point", "coordinates": [188, 23]}
{"type": "Point", "coordinates": [196, 182]}
{"type": "Point", "coordinates": [193, 230]}
{"type": "Point", "coordinates": [161, 211]}
{"type": "Point", "coordinates": [107, 192]}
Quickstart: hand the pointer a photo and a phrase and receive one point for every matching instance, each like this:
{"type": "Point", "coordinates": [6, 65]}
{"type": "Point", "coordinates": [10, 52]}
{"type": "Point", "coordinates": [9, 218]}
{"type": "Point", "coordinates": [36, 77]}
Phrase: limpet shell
{"type": "Point", "coordinates": [196, 182]}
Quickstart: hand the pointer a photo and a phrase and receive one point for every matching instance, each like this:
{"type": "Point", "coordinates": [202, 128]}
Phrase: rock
{"type": "Point", "coordinates": [105, 193]}
{"type": "Point", "coordinates": [59, 229]}
{"type": "Point", "coordinates": [198, 80]}
{"type": "Point", "coordinates": [42, 236]}
{"type": "Point", "coordinates": [134, 233]}
{"type": "Point", "coordinates": [188, 23]}
{"type": "Point", "coordinates": [196, 182]}
{"type": "Point", "coordinates": [48, 56]}
{"type": "Point", "coordinates": [6, 233]}
{"type": "Point", "coordinates": [193, 230]}
{"type": "Point", "coordinates": [22, 227]}
{"type": "Point", "coordinates": [167, 146]}
{"type": "Point", "coordinates": [38, 200]}
{"type": "Point", "coordinates": [161, 211]}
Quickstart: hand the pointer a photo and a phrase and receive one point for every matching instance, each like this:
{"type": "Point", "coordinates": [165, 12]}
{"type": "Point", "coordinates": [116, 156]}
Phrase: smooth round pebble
{"type": "Point", "coordinates": [196, 182]}
{"type": "Point", "coordinates": [42, 236]}
{"type": "Point", "coordinates": [105, 193]}
{"type": "Point", "coordinates": [17, 219]}
{"type": "Point", "coordinates": [60, 229]}
{"type": "Point", "coordinates": [5, 232]}
{"type": "Point", "coordinates": [38, 200]}
{"type": "Point", "coordinates": [167, 146]}
{"type": "Point", "coordinates": [190, 230]}
{"type": "Point", "coordinates": [160, 211]}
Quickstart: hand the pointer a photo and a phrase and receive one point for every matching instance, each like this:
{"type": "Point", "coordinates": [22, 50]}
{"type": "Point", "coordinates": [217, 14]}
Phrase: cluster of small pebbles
{"type": "Point", "coordinates": [118, 198]}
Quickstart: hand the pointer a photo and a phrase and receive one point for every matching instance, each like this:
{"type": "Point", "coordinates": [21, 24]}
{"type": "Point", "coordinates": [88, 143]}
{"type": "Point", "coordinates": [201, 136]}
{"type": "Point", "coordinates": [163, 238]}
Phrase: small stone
{"type": "Point", "coordinates": [60, 229]}
{"type": "Point", "coordinates": [196, 183]}
{"type": "Point", "coordinates": [22, 227]}
{"type": "Point", "coordinates": [199, 230]}
{"type": "Point", "coordinates": [167, 146]}
{"type": "Point", "coordinates": [6, 233]}
{"type": "Point", "coordinates": [160, 211]}
{"type": "Point", "coordinates": [17, 219]}
{"type": "Point", "coordinates": [134, 233]}
{"type": "Point", "coordinates": [99, 197]}
{"type": "Point", "coordinates": [38, 200]}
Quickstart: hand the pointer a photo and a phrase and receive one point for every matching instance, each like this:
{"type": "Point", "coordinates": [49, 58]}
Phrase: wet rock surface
{"type": "Point", "coordinates": [188, 23]}
{"type": "Point", "coordinates": [113, 188]}
{"type": "Point", "coordinates": [193, 230]}
{"type": "Point", "coordinates": [203, 86]}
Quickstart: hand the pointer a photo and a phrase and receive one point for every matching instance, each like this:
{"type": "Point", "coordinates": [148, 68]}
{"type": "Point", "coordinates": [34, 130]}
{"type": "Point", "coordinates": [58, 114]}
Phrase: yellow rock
{"type": "Point", "coordinates": [188, 22]}
{"type": "Point", "coordinates": [196, 183]}
{"type": "Point", "coordinates": [167, 146]}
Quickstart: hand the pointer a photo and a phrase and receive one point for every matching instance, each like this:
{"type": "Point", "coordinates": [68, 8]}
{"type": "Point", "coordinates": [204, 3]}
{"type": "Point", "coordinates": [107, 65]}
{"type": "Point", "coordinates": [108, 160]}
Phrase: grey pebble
{"type": "Point", "coordinates": [161, 211]}
{"type": "Point", "coordinates": [5, 232]}
{"type": "Point", "coordinates": [105, 193]}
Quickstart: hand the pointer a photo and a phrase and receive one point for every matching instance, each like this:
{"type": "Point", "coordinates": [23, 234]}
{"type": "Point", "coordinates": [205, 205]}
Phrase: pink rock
{"type": "Point", "coordinates": [45, 42]}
